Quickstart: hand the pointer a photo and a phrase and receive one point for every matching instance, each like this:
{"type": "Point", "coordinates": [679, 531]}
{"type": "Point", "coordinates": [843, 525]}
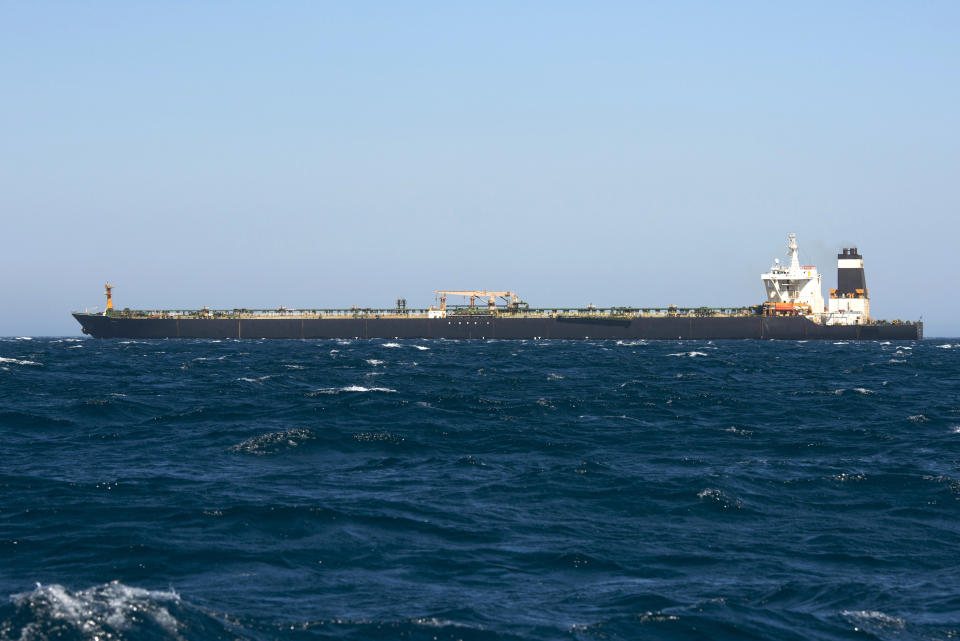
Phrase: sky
{"type": "Point", "coordinates": [329, 154]}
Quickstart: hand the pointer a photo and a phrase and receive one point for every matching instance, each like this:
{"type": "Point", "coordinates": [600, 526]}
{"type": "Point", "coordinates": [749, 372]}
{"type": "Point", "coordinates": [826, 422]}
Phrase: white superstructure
{"type": "Point", "coordinates": [794, 284]}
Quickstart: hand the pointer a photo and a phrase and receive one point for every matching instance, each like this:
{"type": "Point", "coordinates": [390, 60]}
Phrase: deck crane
{"type": "Point", "coordinates": [491, 297]}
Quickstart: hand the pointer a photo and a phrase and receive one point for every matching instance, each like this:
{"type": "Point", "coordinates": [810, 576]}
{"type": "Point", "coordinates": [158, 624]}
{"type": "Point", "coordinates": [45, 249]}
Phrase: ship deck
{"type": "Point", "coordinates": [365, 312]}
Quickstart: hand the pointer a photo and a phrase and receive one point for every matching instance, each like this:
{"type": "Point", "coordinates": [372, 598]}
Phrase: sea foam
{"type": "Point", "coordinates": [109, 611]}
{"type": "Point", "coordinates": [17, 361]}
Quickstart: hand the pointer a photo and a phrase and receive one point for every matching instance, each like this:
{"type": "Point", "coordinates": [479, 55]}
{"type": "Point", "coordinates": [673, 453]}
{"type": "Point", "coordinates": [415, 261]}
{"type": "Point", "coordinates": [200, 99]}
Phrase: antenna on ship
{"type": "Point", "coordinates": [109, 294]}
{"type": "Point", "coordinates": [792, 252]}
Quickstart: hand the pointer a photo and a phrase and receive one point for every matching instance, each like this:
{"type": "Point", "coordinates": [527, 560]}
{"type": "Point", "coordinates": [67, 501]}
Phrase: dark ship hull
{"type": "Point", "coordinates": [462, 326]}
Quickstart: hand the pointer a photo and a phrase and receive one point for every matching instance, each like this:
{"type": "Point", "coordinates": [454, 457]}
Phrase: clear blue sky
{"type": "Point", "coordinates": [332, 154]}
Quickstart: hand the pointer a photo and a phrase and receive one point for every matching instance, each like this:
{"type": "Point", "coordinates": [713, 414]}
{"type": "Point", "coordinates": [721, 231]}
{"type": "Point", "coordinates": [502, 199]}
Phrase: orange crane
{"type": "Point", "coordinates": [474, 295]}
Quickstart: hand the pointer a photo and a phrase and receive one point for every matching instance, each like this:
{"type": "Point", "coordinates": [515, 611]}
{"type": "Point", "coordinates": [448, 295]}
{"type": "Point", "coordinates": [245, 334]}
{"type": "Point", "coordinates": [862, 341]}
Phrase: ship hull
{"type": "Point", "coordinates": [487, 327]}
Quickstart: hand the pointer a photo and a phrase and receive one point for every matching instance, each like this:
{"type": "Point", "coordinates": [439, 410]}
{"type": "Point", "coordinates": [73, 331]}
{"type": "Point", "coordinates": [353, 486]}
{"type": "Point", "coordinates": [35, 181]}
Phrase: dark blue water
{"type": "Point", "coordinates": [479, 490]}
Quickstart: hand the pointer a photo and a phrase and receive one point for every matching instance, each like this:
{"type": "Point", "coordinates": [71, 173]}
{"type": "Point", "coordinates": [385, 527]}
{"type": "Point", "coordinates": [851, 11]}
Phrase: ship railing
{"type": "Point", "coordinates": [642, 311]}
{"type": "Point", "coordinates": [388, 312]}
{"type": "Point", "coordinates": [270, 313]}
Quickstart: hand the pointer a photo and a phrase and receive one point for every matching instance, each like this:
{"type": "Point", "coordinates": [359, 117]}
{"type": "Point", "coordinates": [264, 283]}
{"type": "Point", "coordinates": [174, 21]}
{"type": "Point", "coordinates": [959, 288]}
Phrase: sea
{"type": "Point", "coordinates": [487, 490]}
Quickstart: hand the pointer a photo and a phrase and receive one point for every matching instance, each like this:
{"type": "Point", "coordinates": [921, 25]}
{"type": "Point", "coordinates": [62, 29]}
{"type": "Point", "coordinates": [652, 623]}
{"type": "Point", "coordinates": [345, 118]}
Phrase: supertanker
{"type": "Point", "coordinates": [794, 309]}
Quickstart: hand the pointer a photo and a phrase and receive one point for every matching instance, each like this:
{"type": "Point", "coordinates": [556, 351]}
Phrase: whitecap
{"type": "Point", "coordinates": [391, 345]}
{"type": "Point", "coordinates": [75, 347]}
{"type": "Point", "coordinates": [421, 347]}
{"type": "Point", "coordinates": [841, 343]}
{"type": "Point", "coordinates": [374, 362]}
{"type": "Point", "coordinates": [873, 618]}
{"type": "Point", "coordinates": [17, 361]}
{"type": "Point", "coordinates": [378, 436]}
{"type": "Point", "coordinates": [845, 477]}
{"type": "Point", "coordinates": [918, 418]}
{"type": "Point", "coordinates": [111, 610]}
{"type": "Point", "coordinates": [554, 377]}
{"type": "Point", "coordinates": [945, 346]}
{"type": "Point", "coordinates": [690, 354]}
{"type": "Point", "coordinates": [863, 390]}
{"type": "Point", "coordinates": [259, 379]}
{"type": "Point", "coordinates": [714, 495]}
{"type": "Point", "coordinates": [23, 338]}
{"type": "Point", "coordinates": [274, 442]}
{"type": "Point", "coordinates": [360, 388]}
{"type": "Point", "coordinates": [351, 388]}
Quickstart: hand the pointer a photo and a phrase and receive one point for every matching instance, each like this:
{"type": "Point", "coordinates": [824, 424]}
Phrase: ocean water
{"type": "Point", "coordinates": [479, 490]}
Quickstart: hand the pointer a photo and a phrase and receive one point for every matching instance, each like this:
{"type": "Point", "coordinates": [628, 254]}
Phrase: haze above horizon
{"type": "Point", "coordinates": [329, 155]}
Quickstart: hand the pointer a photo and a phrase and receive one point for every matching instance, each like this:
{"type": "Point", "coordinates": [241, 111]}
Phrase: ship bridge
{"type": "Point", "coordinates": [795, 285]}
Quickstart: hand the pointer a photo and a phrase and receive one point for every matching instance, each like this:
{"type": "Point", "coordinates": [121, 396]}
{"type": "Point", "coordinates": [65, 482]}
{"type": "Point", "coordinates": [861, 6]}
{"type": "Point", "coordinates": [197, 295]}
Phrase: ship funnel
{"type": "Point", "coordinates": [850, 301]}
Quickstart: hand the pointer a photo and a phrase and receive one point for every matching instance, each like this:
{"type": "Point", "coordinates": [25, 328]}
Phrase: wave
{"type": "Point", "coordinates": [844, 390]}
{"type": "Point", "coordinates": [17, 361]}
{"type": "Point", "coordinates": [109, 611]}
{"type": "Point", "coordinates": [369, 437]}
{"type": "Point", "coordinates": [259, 379]}
{"type": "Point", "coordinates": [719, 498]}
{"type": "Point", "coordinates": [351, 388]}
{"type": "Point", "coordinates": [873, 621]}
{"type": "Point", "coordinates": [236, 491]}
{"type": "Point", "coordinates": [274, 442]}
